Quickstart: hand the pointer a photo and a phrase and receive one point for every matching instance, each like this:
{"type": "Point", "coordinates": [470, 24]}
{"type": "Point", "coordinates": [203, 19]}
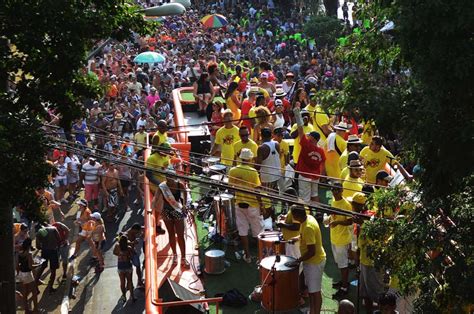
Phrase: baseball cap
{"type": "Point", "coordinates": [314, 135]}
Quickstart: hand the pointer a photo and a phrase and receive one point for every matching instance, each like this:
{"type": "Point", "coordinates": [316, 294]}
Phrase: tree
{"type": "Point", "coordinates": [42, 55]}
{"type": "Point", "coordinates": [416, 83]}
{"type": "Point", "coordinates": [325, 29]}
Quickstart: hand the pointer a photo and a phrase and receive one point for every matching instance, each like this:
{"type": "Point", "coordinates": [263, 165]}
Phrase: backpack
{"type": "Point", "coordinates": [233, 298]}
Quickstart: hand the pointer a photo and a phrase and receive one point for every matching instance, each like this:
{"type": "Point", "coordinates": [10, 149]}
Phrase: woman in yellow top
{"type": "Point", "coordinates": [233, 101]}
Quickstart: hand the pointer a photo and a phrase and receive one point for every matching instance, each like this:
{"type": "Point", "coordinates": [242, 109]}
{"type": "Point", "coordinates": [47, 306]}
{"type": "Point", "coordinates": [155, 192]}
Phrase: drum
{"type": "Point", "coordinates": [214, 262]}
{"type": "Point", "coordinates": [207, 162]}
{"type": "Point", "coordinates": [220, 178]}
{"type": "Point", "coordinates": [218, 168]}
{"type": "Point", "coordinates": [225, 213]}
{"type": "Point", "coordinates": [267, 245]}
{"type": "Point", "coordinates": [228, 204]}
{"type": "Point", "coordinates": [280, 290]}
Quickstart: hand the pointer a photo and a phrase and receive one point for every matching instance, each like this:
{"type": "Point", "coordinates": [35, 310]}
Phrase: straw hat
{"type": "Point", "coordinates": [354, 139]}
{"type": "Point", "coordinates": [355, 164]}
{"type": "Point", "coordinates": [280, 92]}
{"type": "Point", "coordinates": [341, 126]}
{"type": "Point", "coordinates": [246, 154]}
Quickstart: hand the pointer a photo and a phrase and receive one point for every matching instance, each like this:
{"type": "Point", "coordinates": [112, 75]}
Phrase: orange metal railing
{"type": "Point", "coordinates": [153, 303]}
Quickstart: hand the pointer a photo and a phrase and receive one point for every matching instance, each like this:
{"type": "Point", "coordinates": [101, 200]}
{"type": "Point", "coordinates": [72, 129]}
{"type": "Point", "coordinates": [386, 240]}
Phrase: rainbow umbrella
{"type": "Point", "coordinates": [214, 21]}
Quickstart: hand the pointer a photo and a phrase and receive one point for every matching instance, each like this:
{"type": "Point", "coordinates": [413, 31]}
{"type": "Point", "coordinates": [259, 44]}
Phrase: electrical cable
{"type": "Point", "coordinates": [313, 205]}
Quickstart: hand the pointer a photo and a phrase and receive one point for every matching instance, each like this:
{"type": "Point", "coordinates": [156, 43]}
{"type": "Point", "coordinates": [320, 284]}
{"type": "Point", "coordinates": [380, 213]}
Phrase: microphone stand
{"type": "Point", "coordinates": [273, 271]}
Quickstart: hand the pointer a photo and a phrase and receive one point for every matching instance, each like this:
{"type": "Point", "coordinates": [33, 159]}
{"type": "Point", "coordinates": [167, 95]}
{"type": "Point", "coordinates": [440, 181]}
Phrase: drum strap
{"type": "Point", "coordinates": [168, 195]}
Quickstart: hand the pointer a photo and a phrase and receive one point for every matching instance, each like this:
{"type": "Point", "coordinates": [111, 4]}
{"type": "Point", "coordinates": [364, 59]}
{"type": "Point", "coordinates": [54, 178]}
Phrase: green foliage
{"type": "Point", "coordinates": [43, 45]}
{"type": "Point", "coordinates": [416, 83]}
{"type": "Point", "coordinates": [43, 54]}
{"type": "Point", "coordinates": [325, 29]}
{"type": "Point", "coordinates": [427, 253]}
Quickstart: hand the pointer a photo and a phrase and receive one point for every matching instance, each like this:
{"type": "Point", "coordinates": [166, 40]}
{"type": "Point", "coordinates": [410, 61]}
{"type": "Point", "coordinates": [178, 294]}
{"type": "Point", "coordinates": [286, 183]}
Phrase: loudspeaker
{"type": "Point", "coordinates": [172, 291]}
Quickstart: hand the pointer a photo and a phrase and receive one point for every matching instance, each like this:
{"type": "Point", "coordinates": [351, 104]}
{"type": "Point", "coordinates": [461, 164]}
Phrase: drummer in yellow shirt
{"type": "Point", "coordinates": [226, 137]}
{"type": "Point", "coordinates": [245, 142]}
{"type": "Point", "coordinates": [248, 206]}
{"type": "Point", "coordinates": [313, 255]}
{"type": "Point", "coordinates": [375, 157]}
{"type": "Point", "coordinates": [341, 238]}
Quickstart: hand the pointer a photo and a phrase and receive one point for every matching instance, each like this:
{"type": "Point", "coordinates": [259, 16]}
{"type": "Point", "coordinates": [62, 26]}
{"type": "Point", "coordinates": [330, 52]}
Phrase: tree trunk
{"type": "Point", "coordinates": [331, 7]}
{"type": "Point", "coordinates": [7, 267]}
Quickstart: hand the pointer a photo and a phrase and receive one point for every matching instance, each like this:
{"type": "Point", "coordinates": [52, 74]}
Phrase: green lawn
{"type": "Point", "coordinates": [245, 276]}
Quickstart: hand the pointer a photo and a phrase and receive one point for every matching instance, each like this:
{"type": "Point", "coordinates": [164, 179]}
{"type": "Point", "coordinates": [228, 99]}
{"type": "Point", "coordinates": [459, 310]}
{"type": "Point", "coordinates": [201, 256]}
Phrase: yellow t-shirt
{"type": "Point", "coordinates": [288, 234]}
{"type": "Point", "coordinates": [156, 161]}
{"type": "Point", "coordinates": [341, 235]}
{"type": "Point", "coordinates": [311, 234]}
{"type": "Point", "coordinates": [296, 145]}
{"type": "Point", "coordinates": [374, 162]}
{"type": "Point", "coordinates": [140, 139]}
{"type": "Point", "coordinates": [233, 106]}
{"type": "Point", "coordinates": [344, 173]}
{"type": "Point", "coordinates": [246, 177]}
{"type": "Point", "coordinates": [162, 138]}
{"type": "Point", "coordinates": [226, 138]}
{"type": "Point", "coordinates": [250, 145]}
{"type": "Point", "coordinates": [341, 144]}
{"type": "Point", "coordinates": [319, 119]}
{"type": "Point", "coordinates": [343, 159]}
{"type": "Point", "coordinates": [362, 243]}
{"type": "Point", "coordinates": [368, 132]}
{"type": "Point", "coordinates": [284, 151]}
{"type": "Point", "coordinates": [351, 186]}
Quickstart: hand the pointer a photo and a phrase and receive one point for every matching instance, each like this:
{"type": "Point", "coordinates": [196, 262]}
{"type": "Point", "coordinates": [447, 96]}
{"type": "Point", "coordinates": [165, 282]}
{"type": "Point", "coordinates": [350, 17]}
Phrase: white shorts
{"type": "Point", "coordinates": [248, 217]}
{"type": "Point", "coordinates": [341, 255]}
{"type": "Point", "coordinates": [313, 276]}
{"type": "Point", "coordinates": [308, 188]}
{"type": "Point", "coordinates": [25, 277]}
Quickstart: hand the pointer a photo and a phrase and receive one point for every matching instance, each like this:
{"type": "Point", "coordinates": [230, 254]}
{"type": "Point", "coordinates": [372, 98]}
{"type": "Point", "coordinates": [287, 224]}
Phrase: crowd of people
{"type": "Point", "coordinates": [269, 131]}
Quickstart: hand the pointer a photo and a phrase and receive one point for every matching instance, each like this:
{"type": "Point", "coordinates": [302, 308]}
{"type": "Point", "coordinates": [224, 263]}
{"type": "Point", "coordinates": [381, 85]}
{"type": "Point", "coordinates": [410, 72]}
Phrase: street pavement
{"type": "Point", "coordinates": [96, 293]}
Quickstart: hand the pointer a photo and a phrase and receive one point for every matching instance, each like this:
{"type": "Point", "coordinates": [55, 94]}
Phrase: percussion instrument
{"type": "Point", "coordinates": [220, 178]}
{"type": "Point", "coordinates": [214, 262]}
{"type": "Point", "coordinates": [218, 168]}
{"type": "Point", "coordinates": [280, 284]}
{"type": "Point", "coordinates": [269, 244]}
{"type": "Point", "coordinates": [207, 162]}
{"type": "Point", "coordinates": [225, 213]}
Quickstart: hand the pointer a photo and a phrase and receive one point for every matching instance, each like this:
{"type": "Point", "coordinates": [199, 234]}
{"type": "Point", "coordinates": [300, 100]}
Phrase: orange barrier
{"type": "Point", "coordinates": [179, 116]}
{"type": "Point", "coordinates": [153, 304]}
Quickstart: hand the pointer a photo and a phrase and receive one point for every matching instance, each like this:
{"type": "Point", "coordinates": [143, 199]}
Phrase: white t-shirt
{"type": "Point", "coordinates": [91, 173]}
{"type": "Point", "coordinates": [73, 162]}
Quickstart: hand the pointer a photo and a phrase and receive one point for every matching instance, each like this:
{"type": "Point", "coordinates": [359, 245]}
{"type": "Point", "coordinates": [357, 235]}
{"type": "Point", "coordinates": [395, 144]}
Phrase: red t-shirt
{"type": "Point", "coordinates": [311, 159]}
{"type": "Point", "coordinates": [244, 110]}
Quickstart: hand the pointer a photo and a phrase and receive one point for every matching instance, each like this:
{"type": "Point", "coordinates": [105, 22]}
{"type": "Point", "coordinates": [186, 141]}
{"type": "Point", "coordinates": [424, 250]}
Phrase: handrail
{"type": "Point", "coordinates": [179, 116]}
{"type": "Point", "coordinates": [151, 265]}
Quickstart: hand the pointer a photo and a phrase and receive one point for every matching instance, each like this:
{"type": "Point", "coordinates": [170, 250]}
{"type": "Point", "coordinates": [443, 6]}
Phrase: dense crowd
{"type": "Point", "coordinates": [268, 130]}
